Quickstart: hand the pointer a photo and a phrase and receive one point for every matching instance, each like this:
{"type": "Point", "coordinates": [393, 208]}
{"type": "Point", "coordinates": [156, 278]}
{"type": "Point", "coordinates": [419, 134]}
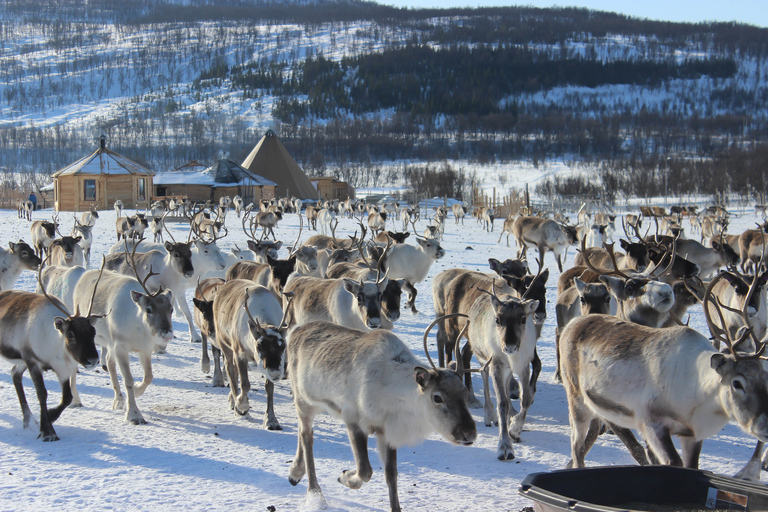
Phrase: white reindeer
{"type": "Point", "coordinates": [373, 382]}
{"type": "Point", "coordinates": [136, 321]}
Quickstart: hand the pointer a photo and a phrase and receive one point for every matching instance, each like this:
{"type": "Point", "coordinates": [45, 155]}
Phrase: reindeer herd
{"type": "Point", "coordinates": [325, 318]}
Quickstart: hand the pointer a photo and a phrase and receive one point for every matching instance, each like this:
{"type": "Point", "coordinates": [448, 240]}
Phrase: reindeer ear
{"type": "Point", "coordinates": [495, 265]}
{"type": "Point", "coordinates": [278, 245]}
{"type": "Point", "coordinates": [615, 286]}
{"type": "Point", "coordinates": [721, 363]}
{"type": "Point", "coordinates": [60, 324]}
{"type": "Point", "coordinates": [624, 244]}
{"type": "Point", "coordinates": [422, 376]}
{"type": "Point", "coordinates": [136, 296]}
{"type": "Point", "coordinates": [579, 285]}
{"type": "Point", "coordinates": [544, 276]}
{"type": "Point", "coordinates": [530, 306]}
{"type": "Point", "coordinates": [351, 286]}
{"type": "Point", "coordinates": [252, 245]}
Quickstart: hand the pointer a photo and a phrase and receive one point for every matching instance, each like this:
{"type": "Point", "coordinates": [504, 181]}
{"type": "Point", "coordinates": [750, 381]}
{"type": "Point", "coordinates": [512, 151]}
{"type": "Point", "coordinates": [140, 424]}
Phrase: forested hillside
{"type": "Point", "coordinates": [350, 84]}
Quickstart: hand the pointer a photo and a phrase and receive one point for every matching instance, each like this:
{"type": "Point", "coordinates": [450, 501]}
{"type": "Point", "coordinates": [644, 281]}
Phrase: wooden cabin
{"type": "Point", "coordinates": [330, 188]}
{"type": "Point", "coordinates": [100, 179]}
{"type": "Point", "coordinates": [224, 178]}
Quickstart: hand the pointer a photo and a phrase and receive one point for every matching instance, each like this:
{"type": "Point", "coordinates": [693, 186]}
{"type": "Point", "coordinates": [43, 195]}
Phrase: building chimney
{"type": "Point", "coordinates": [103, 142]}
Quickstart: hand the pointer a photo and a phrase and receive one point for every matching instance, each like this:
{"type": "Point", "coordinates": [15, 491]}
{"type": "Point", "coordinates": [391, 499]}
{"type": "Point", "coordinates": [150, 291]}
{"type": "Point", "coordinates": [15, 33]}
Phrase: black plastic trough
{"type": "Point", "coordinates": [643, 488]}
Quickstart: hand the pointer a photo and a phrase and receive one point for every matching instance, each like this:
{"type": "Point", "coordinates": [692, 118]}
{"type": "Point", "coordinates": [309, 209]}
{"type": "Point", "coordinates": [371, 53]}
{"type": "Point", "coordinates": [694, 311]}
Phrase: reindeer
{"type": "Point", "coordinates": [14, 261]}
{"type": "Point", "coordinates": [710, 260]}
{"type": "Point", "coordinates": [171, 269]}
{"type": "Point", "coordinates": [377, 221]}
{"type": "Point", "coordinates": [752, 244]}
{"type": "Point", "coordinates": [28, 208]}
{"type": "Point", "coordinates": [740, 300]}
{"type": "Point", "coordinates": [661, 382]}
{"type": "Point", "coordinates": [355, 304]}
{"type": "Point", "coordinates": [396, 238]}
{"type": "Point", "coordinates": [66, 251]}
{"type": "Point", "coordinates": [273, 275]}
{"type": "Point", "coordinates": [404, 261]}
{"type": "Point", "coordinates": [237, 203]}
{"type": "Point", "coordinates": [118, 208]}
{"type": "Point", "coordinates": [86, 240]}
{"type": "Point", "coordinates": [487, 216]}
{"type": "Point", "coordinates": [507, 228]}
{"type": "Point", "coordinates": [385, 390]}
{"type": "Point", "coordinates": [36, 337]}
{"type": "Point", "coordinates": [312, 213]}
{"type": "Point", "coordinates": [326, 218]}
{"type": "Point", "coordinates": [89, 218]}
{"type": "Point", "coordinates": [459, 212]}
{"type": "Point", "coordinates": [205, 321]}
{"type": "Point", "coordinates": [131, 227]}
{"type": "Point", "coordinates": [249, 327]}
{"type": "Point", "coordinates": [545, 234]}
{"type": "Point", "coordinates": [140, 322]}
{"type": "Point", "coordinates": [43, 233]}
{"type": "Point", "coordinates": [410, 216]}
{"type": "Point", "coordinates": [581, 299]}
{"type": "Point", "coordinates": [268, 222]}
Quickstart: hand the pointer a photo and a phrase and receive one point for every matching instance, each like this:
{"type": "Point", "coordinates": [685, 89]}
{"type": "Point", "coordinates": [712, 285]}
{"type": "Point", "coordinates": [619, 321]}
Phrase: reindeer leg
{"type": "Point", "coordinates": [231, 367]}
{"type": "Point", "coordinates": [146, 364]}
{"type": "Point", "coordinates": [691, 450]}
{"type": "Point", "coordinates": [389, 459]}
{"type": "Point", "coordinates": [630, 441]}
{"type": "Point", "coordinates": [205, 361]}
{"type": "Point", "coordinates": [184, 307]}
{"type": "Point", "coordinates": [443, 353]}
{"type": "Point", "coordinates": [660, 442]}
{"type": "Point", "coordinates": [132, 412]}
{"type": "Point", "coordinates": [466, 358]}
{"type": "Point", "coordinates": [270, 420]}
{"type": "Point", "coordinates": [526, 400]}
{"type": "Point", "coordinates": [304, 462]}
{"type": "Point", "coordinates": [66, 399]}
{"type": "Point", "coordinates": [408, 287]}
{"type": "Point", "coordinates": [490, 417]}
{"type": "Point", "coordinates": [46, 425]}
{"type": "Point", "coordinates": [241, 402]}
{"type": "Point", "coordinates": [218, 377]}
{"type": "Point", "coordinates": [16, 372]}
{"type": "Point", "coordinates": [119, 401]}
{"type": "Point", "coordinates": [751, 471]}
{"type": "Point", "coordinates": [501, 375]}
{"type": "Point", "coordinates": [584, 431]}
{"type": "Point", "coordinates": [354, 479]}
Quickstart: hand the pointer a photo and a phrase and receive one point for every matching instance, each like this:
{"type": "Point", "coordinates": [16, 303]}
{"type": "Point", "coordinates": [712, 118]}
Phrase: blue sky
{"type": "Point", "coordinates": [754, 12]}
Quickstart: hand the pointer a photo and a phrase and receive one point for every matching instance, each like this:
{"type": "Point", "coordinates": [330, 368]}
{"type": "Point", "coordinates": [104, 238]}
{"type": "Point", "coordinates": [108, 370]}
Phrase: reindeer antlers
{"type": "Point", "coordinates": [132, 264]}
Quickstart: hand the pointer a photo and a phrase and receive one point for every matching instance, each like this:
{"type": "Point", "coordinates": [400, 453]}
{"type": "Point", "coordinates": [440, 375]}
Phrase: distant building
{"type": "Point", "coordinates": [330, 188]}
{"type": "Point", "coordinates": [270, 159]}
{"type": "Point", "coordinates": [224, 178]}
{"type": "Point", "coordinates": [100, 179]}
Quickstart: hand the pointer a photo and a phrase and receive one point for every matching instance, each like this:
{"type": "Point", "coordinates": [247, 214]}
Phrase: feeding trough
{"type": "Point", "coordinates": [641, 488]}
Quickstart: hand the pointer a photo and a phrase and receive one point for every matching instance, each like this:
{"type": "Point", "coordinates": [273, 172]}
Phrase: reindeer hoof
{"type": "Point", "coordinates": [47, 438]}
{"type": "Point", "coordinates": [505, 455]}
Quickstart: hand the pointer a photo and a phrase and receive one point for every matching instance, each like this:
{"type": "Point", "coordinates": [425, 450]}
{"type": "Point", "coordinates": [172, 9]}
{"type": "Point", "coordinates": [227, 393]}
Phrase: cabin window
{"type": "Point", "coordinates": [142, 189]}
{"type": "Point", "coordinates": [89, 190]}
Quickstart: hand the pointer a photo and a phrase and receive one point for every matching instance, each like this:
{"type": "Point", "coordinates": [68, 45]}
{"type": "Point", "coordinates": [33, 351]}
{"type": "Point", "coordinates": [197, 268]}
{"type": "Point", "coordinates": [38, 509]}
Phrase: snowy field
{"type": "Point", "coordinates": [194, 454]}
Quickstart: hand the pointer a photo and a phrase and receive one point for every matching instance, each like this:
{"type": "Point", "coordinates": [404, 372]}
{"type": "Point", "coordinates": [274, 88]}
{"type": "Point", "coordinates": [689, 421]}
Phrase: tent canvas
{"type": "Point", "coordinates": [271, 160]}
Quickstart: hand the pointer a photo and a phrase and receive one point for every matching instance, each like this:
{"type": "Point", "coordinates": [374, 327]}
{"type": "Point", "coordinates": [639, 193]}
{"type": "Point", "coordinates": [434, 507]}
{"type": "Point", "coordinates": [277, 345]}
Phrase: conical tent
{"type": "Point", "coordinates": [271, 160]}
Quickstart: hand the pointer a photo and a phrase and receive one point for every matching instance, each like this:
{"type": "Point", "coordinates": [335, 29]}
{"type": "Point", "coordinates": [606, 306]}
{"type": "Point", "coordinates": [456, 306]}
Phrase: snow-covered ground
{"type": "Point", "coordinates": [194, 454]}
